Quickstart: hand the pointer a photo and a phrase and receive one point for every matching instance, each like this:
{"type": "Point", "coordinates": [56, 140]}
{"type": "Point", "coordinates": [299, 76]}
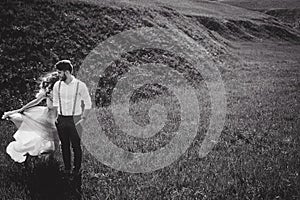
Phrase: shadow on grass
{"type": "Point", "coordinates": [45, 180]}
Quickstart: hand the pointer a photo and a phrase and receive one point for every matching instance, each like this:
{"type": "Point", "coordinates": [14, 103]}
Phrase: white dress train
{"type": "Point", "coordinates": [36, 132]}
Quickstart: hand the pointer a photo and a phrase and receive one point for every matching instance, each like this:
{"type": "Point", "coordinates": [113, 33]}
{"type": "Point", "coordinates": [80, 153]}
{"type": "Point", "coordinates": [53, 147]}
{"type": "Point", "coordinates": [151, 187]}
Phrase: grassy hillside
{"type": "Point", "coordinates": [285, 11]}
{"type": "Point", "coordinates": [263, 5]}
{"type": "Point", "coordinates": [257, 156]}
{"type": "Point", "coordinates": [289, 16]}
{"type": "Point", "coordinates": [36, 36]}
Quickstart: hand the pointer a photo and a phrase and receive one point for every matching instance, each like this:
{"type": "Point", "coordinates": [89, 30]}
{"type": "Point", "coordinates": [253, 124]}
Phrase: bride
{"type": "Point", "coordinates": [36, 132]}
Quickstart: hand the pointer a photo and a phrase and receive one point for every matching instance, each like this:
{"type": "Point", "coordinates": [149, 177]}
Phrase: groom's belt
{"type": "Point", "coordinates": [69, 116]}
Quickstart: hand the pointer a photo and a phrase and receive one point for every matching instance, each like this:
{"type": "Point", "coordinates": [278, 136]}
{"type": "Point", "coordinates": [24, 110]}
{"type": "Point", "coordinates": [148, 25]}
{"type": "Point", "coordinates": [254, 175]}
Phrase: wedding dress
{"type": "Point", "coordinates": [36, 132]}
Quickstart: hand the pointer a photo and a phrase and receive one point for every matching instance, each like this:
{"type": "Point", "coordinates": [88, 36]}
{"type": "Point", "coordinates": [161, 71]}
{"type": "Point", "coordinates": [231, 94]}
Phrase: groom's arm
{"type": "Point", "coordinates": [86, 98]}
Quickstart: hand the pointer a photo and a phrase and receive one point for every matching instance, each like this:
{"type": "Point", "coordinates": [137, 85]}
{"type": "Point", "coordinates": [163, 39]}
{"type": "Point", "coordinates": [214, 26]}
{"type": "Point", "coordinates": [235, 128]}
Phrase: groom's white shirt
{"type": "Point", "coordinates": [67, 95]}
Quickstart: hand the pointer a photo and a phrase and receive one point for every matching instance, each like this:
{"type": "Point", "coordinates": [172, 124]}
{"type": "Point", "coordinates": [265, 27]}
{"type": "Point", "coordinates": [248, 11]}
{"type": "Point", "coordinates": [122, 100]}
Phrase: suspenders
{"type": "Point", "coordinates": [59, 98]}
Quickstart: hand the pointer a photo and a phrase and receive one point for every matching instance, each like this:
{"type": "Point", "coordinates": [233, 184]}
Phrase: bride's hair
{"type": "Point", "coordinates": [47, 82]}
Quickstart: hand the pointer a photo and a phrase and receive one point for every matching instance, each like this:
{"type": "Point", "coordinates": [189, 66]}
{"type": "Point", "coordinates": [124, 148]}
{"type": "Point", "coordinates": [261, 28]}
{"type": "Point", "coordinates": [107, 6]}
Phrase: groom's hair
{"type": "Point", "coordinates": [64, 65]}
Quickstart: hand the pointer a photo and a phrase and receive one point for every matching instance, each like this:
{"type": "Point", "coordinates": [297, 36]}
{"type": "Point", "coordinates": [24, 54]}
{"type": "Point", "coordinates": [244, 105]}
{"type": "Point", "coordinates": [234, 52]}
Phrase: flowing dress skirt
{"type": "Point", "coordinates": [36, 133]}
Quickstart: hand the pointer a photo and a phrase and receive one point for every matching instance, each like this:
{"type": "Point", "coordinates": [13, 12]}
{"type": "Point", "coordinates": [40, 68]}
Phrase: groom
{"type": "Point", "coordinates": [68, 93]}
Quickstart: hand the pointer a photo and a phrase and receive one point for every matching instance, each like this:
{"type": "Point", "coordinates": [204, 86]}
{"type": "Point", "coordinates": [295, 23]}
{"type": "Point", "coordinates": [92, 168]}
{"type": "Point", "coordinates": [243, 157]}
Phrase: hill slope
{"type": "Point", "coordinates": [289, 16]}
{"type": "Point", "coordinates": [263, 5]}
{"type": "Point", "coordinates": [257, 156]}
{"type": "Point", "coordinates": [27, 42]}
{"type": "Point", "coordinates": [286, 11]}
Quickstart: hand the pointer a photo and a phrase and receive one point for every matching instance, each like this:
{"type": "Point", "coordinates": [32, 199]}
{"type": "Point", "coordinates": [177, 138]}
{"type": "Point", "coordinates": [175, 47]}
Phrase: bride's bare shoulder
{"type": "Point", "coordinates": [41, 94]}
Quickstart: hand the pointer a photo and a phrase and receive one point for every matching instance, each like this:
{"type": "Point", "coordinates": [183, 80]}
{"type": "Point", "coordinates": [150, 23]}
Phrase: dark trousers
{"type": "Point", "coordinates": [69, 135]}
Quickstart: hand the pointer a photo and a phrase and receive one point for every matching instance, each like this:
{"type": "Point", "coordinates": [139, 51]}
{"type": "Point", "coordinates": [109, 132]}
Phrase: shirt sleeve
{"type": "Point", "coordinates": [55, 95]}
{"type": "Point", "coordinates": [85, 96]}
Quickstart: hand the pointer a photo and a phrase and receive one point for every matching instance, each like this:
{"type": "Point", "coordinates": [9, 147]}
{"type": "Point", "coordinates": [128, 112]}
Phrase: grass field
{"type": "Point", "coordinates": [257, 156]}
{"type": "Point", "coordinates": [263, 5]}
{"type": "Point", "coordinates": [286, 11]}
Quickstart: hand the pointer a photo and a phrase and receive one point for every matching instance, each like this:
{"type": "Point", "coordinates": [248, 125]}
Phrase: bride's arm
{"type": "Point", "coordinates": [28, 105]}
{"type": "Point", "coordinates": [32, 103]}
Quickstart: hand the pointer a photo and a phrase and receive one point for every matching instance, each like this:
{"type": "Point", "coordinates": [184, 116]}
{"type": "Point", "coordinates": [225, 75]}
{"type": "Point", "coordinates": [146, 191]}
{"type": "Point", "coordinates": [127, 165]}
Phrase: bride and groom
{"type": "Point", "coordinates": [40, 128]}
